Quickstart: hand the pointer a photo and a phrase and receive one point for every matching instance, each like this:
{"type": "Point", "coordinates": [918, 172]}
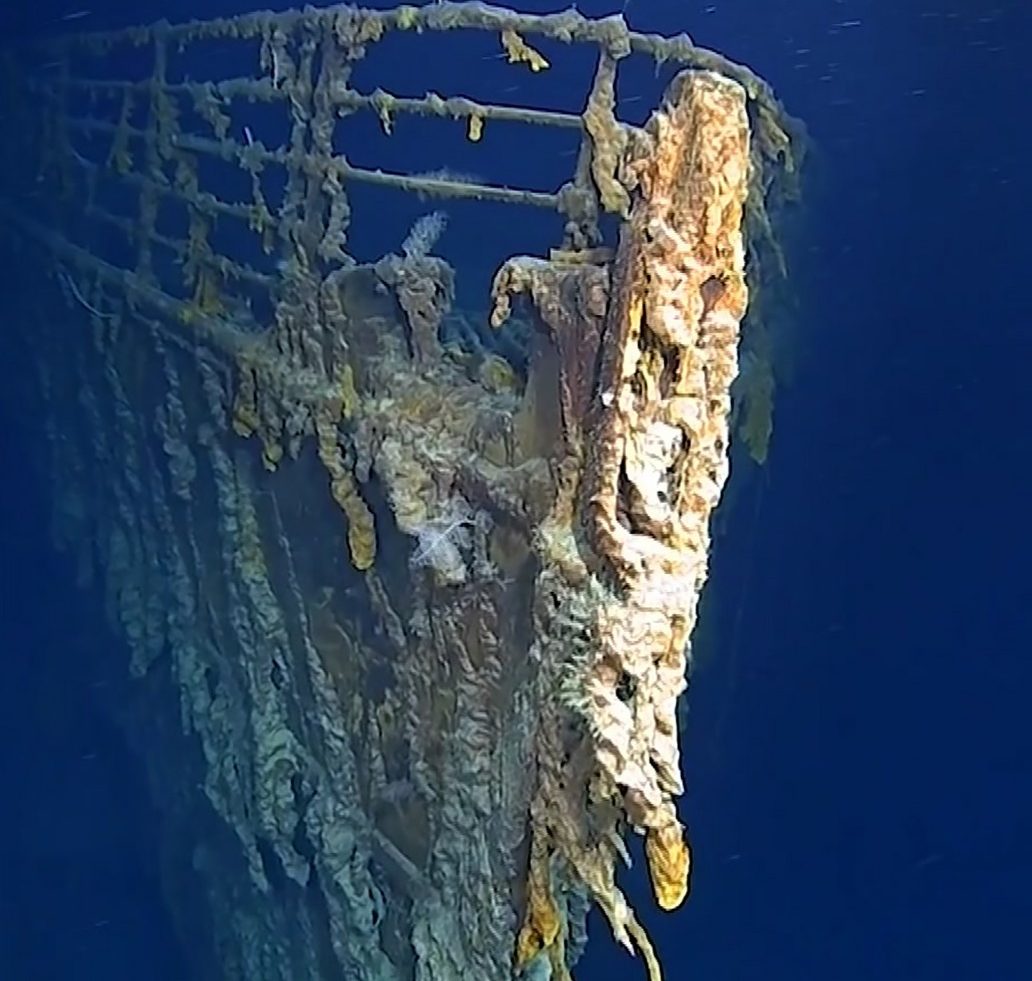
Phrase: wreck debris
{"type": "Point", "coordinates": [421, 614]}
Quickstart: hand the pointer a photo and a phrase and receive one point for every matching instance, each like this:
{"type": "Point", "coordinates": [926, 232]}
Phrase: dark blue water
{"type": "Point", "coordinates": [859, 753]}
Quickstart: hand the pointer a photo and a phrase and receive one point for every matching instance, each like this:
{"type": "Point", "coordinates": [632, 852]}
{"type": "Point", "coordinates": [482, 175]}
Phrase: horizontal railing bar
{"type": "Point", "coordinates": [566, 26]}
{"type": "Point", "coordinates": [443, 188]}
{"type": "Point", "coordinates": [317, 165]}
{"type": "Point", "coordinates": [212, 330]}
{"type": "Point", "coordinates": [230, 268]}
{"type": "Point", "coordinates": [248, 88]}
{"type": "Point", "coordinates": [341, 95]}
{"type": "Point", "coordinates": [455, 107]}
{"type": "Point", "coordinates": [432, 104]}
{"type": "Point", "coordinates": [193, 327]}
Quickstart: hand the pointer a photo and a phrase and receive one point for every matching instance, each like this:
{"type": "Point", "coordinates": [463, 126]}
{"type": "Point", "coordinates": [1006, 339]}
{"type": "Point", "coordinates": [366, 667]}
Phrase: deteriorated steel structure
{"type": "Point", "coordinates": [423, 612]}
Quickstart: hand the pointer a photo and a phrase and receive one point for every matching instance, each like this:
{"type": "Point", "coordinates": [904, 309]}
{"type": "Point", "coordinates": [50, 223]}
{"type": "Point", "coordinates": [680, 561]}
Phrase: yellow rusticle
{"type": "Point", "coordinates": [406, 17]}
{"type": "Point", "coordinates": [245, 405]}
{"type": "Point", "coordinates": [520, 52]}
{"type": "Point", "coordinates": [669, 860]}
{"type": "Point", "coordinates": [361, 524]}
{"type": "Point", "coordinates": [272, 453]}
{"type": "Point", "coordinates": [541, 921]}
{"type": "Point", "coordinates": [348, 392]}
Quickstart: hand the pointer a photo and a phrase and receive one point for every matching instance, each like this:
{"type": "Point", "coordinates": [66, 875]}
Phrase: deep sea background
{"type": "Point", "coordinates": [859, 749]}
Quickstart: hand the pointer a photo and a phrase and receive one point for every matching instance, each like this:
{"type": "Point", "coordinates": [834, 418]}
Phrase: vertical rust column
{"type": "Point", "coordinates": [660, 444]}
